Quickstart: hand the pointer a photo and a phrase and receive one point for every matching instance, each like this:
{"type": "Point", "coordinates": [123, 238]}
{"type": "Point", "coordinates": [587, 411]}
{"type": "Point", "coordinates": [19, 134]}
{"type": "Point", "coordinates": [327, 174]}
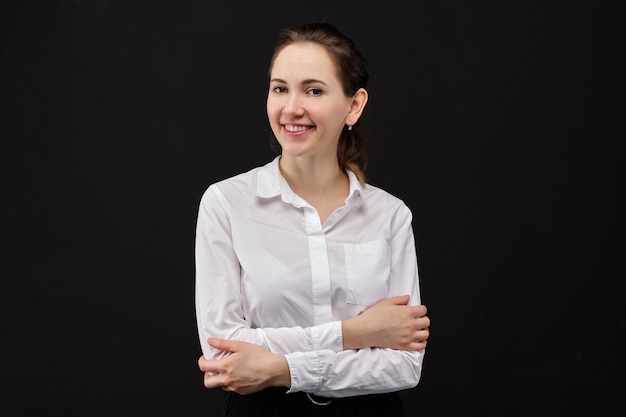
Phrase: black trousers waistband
{"type": "Point", "coordinates": [275, 402]}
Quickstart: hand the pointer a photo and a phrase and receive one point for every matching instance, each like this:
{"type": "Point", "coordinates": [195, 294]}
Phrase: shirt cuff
{"type": "Point", "coordinates": [305, 369]}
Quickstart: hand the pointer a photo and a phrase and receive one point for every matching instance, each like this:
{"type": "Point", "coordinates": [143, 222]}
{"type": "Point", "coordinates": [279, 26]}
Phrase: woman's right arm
{"type": "Point", "coordinates": [390, 323]}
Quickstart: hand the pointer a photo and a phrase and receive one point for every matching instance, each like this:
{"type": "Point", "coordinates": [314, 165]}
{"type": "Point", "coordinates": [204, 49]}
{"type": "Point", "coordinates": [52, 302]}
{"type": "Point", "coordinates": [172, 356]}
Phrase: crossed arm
{"type": "Point", "coordinates": [390, 335]}
{"type": "Point", "coordinates": [391, 323]}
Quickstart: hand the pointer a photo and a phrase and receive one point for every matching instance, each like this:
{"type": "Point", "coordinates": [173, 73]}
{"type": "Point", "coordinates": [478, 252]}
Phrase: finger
{"type": "Point", "coordinates": [422, 335]}
{"type": "Point", "coordinates": [400, 299]}
{"type": "Point", "coordinates": [422, 322]}
{"type": "Point", "coordinates": [220, 344]}
{"type": "Point", "coordinates": [212, 381]}
{"type": "Point", "coordinates": [210, 365]}
{"type": "Point", "coordinates": [419, 311]}
{"type": "Point", "coordinates": [417, 346]}
{"type": "Point", "coordinates": [207, 365]}
{"type": "Point", "coordinates": [226, 345]}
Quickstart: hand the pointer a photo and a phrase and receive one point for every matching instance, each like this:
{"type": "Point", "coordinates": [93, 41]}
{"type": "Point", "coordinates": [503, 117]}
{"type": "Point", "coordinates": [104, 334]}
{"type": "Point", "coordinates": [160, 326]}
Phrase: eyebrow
{"type": "Point", "coordinates": [304, 82]}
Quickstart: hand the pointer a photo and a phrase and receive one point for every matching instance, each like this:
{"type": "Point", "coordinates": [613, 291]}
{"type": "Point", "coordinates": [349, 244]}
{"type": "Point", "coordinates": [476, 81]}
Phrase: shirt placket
{"type": "Point", "coordinates": [320, 271]}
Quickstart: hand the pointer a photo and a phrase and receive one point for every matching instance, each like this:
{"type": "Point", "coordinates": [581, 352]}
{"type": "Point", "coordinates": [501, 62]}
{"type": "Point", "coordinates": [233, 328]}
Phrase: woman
{"type": "Point", "coordinates": [307, 292]}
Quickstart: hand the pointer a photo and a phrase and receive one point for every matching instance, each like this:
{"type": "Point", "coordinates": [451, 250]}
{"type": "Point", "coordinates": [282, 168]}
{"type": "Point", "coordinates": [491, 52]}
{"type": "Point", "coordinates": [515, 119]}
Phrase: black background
{"type": "Point", "coordinates": [499, 123]}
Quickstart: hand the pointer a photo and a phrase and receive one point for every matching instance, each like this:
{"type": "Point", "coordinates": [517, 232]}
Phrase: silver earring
{"type": "Point", "coordinates": [349, 127]}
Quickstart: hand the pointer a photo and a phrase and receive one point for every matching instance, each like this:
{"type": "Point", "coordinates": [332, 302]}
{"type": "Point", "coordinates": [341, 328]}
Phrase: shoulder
{"type": "Point", "coordinates": [379, 197]}
{"type": "Point", "coordinates": [243, 184]}
{"type": "Point", "coordinates": [383, 204]}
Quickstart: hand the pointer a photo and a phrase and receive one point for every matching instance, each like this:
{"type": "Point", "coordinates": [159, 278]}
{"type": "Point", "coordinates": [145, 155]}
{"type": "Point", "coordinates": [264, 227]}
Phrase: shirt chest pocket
{"type": "Point", "coordinates": [367, 272]}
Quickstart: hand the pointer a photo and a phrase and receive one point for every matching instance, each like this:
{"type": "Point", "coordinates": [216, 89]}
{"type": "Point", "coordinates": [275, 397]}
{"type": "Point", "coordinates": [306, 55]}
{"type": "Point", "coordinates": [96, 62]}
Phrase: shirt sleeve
{"type": "Point", "coordinates": [372, 370]}
{"type": "Point", "coordinates": [354, 372]}
{"type": "Point", "coordinates": [218, 297]}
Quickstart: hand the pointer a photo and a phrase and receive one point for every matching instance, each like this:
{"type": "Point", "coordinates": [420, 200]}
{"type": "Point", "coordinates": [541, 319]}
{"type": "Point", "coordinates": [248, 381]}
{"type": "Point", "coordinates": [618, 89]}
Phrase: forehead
{"type": "Point", "coordinates": [305, 59]}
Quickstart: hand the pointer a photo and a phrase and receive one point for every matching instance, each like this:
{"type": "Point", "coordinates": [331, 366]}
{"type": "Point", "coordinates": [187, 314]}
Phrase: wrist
{"type": "Point", "coordinates": [282, 374]}
{"type": "Point", "coordinates": [353, 334]}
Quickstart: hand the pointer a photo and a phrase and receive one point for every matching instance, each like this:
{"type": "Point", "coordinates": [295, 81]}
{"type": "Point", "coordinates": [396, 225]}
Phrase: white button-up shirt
{"type": "Point", "coordinates": [268, 272]}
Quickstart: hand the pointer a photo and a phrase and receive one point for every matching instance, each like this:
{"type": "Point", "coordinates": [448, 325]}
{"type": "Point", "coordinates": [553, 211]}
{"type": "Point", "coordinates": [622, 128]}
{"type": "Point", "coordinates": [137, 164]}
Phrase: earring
{"type": "Point", "coordinates": [349, 127]}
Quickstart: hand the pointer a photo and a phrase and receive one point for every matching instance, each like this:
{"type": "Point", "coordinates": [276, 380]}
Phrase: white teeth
{"type": "Point", "coordinates": [291, 128]}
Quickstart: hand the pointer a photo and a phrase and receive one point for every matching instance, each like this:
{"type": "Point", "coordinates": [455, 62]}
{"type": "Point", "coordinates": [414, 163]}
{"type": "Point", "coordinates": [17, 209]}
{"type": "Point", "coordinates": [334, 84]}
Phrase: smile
{"type": "Point", "coordinates": [296, 129]}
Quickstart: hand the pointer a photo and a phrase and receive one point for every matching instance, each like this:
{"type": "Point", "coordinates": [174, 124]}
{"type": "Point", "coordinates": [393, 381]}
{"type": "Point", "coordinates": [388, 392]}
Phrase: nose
{"type": "Point", "coordinates": [293, 105]}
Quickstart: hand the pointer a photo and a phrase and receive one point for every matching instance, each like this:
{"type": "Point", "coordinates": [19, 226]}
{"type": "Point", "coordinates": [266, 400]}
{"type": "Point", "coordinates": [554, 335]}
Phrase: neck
{"type": "Point", "coordinates": [315, 178]}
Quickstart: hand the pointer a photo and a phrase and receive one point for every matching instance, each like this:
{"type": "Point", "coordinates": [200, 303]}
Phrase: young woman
{"type": "Point", "coordinates": [307, 290]}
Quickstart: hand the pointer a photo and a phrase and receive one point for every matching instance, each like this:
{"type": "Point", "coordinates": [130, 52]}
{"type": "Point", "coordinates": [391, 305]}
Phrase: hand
{"type": "Point", "coordinates": [390, 323]}
{"type": "Point", "coordinates": [249, 368]}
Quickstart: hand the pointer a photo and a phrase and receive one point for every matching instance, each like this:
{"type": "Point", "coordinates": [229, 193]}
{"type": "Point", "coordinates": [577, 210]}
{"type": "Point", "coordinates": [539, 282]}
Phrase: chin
{"type": "Point", "coordinates": [293, 150]}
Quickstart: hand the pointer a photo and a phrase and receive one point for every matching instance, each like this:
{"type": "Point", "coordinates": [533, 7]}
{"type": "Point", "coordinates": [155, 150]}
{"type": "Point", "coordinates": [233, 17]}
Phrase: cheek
{"type": "Point", "coordinates": [273, 107]}
{"type": "Point", "coordinates": [273, 116]}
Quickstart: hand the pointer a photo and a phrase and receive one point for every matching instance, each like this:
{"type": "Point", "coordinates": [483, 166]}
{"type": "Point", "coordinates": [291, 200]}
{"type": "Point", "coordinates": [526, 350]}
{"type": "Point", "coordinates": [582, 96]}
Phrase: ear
{"type": "Point", "coordinates": [359, 100]}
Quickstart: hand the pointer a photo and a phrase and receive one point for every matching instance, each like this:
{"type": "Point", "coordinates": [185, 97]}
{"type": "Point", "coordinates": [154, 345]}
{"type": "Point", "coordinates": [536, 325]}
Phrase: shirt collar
{"type": "Point", "coordinates": [270, 183]}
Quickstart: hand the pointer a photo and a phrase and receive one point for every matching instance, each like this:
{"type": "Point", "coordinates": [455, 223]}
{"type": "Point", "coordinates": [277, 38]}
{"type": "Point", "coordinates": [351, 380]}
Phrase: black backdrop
{"type": "Point", "coordinates": [498, 124]}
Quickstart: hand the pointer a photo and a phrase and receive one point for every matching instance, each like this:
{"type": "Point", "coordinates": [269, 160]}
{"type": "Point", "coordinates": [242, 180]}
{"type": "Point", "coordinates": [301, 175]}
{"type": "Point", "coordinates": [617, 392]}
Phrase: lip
{"type": "Point", "coordinates": [308, 128]}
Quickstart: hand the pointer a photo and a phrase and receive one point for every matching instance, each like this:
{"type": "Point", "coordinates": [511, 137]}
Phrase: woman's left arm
{"type": "Point", "coordinates": [249, 367]}
{"type": "Point", "coordinates": [354, 371]}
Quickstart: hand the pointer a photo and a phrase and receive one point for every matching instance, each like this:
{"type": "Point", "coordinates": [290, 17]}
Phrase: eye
{"type": "Point", "coordinates": [279, 89]}
{"type": "Point", "coordinates": [314, 92]}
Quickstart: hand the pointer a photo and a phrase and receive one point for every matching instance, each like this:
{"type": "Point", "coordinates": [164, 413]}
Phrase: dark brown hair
{"type": "Point", "coordinates": [352, 71]}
